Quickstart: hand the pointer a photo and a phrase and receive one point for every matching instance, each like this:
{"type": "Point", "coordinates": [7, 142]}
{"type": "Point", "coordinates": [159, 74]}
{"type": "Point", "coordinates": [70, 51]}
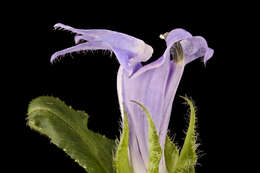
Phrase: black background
{"type": "Point", "coordinates": [88, 81]}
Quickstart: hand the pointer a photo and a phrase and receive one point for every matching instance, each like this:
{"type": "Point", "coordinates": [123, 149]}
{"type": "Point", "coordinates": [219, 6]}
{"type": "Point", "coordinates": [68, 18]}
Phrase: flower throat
{"type": "Point", "coordinates": [176, 52]}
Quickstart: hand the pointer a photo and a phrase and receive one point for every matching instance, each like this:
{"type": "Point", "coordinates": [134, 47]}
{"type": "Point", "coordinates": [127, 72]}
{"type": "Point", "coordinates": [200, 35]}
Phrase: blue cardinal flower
{"type": "Point", "coordinates": [153, 85]}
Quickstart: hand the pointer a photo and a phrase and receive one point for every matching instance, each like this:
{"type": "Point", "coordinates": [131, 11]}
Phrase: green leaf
{"type": "Point", "coordinates": [188, 156]}
{"type": "Point", "coordinates": [171, 154]}
{"type": "Point", "coordinates": [121, 161]}
{"type": "Point", "coordinates": [68, 130]}
{"type": "Point", "coordinates": [155, 151]}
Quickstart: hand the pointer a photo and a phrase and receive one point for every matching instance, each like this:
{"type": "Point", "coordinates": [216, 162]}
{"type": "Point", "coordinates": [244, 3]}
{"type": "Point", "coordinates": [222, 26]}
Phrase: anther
{"type": "Point", "coordinates": [164, 36]}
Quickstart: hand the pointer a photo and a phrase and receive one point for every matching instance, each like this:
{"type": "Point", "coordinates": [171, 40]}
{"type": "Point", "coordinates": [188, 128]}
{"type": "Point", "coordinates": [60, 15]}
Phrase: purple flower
{"type": "Point", "coordinates": [153, 85]}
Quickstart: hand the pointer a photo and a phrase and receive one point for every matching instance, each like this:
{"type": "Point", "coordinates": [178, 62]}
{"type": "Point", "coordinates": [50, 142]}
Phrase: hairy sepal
{"type": "Point", "coordinates": [121, 162]}
{"type": "Point", "coordinates": [155, 151]}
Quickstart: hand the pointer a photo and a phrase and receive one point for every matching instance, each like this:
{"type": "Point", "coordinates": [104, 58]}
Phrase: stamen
{"type": "Point", "coordinates": [164, 36]}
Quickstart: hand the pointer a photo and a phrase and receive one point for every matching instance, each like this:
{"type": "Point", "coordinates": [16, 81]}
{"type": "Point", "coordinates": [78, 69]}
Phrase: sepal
{"type": "Point", "coordinates": [185, 161]}
{"type": "Point", "coordinates": [155, 151]}
{"type": "Point", "coordinates": [121, 162]}
{"type": "Point", "coordinates": [188, 157]}
{"type": "Point", "coordinates": [171, 154]}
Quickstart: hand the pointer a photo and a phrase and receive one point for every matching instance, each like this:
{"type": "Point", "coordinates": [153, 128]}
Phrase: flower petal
{"type": "Point", "coordinates": [176, 35]}
{"type": "Point", "coordinates": [193, 46]}
{"type": "Point", "coordinates": [196, 47]}
{"type": "Point", "coordinates": [148, 89]}
{"type": "Point", "coordinates": [172, 37]}
{"type": "Point", "coordinates": [81, 47]}
{"type": "Point", "coordinates": [129, 50]}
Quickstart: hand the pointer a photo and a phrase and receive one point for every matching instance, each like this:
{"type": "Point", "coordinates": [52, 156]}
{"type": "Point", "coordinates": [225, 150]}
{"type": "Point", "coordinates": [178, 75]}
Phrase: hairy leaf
{"type": "Point", "coordinates": [67, 129]}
